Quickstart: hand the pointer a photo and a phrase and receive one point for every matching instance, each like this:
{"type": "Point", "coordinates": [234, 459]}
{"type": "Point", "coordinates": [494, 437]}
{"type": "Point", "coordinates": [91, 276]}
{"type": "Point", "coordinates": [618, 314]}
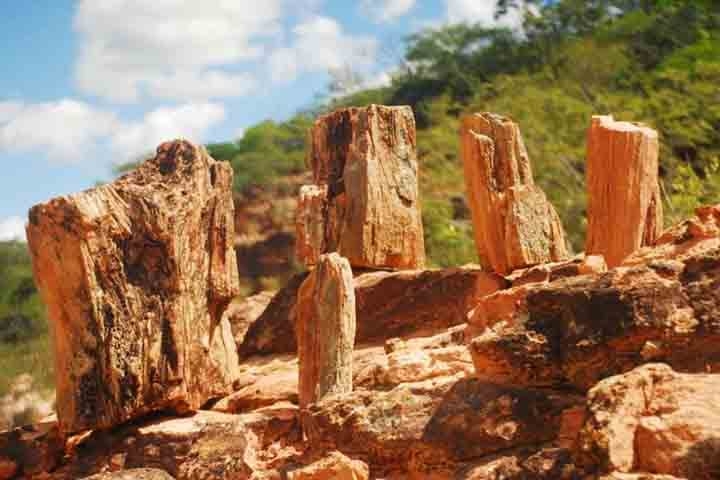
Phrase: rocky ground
{"type": "Point", "coordinates": [566, 369]}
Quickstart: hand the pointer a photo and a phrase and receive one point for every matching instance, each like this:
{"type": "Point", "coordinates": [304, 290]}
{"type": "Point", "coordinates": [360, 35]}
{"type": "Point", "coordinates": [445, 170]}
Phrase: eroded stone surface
{"type": "Point", "coordinates": [364, 204]}
{"type": "Point", "coordinates": [515, 225]}
{"type": "Point", "coordinates": [335, 466]}
{"type": "Point", "coordinates": [136, 275]}
{"type": "Point", "coordinates": [580, 330]}
{"type": "Point", "coordinates": [389, 304]}
{"type": "Point", "coordinates": [624, 203]}
{"type": "Point", "coordinates": [654, 420]}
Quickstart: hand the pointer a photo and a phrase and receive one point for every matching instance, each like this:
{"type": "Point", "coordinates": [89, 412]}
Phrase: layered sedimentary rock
{"type": "Point", "coordinates": [326, 330]}
{"type": "Point", "coordinates": [624, 204]}
{"type": "Point", "coordinates": [136, 276]}
{"type": "Point", "coordinates": [515, 225]}
{"type": "Point", "coordinates": [388, 304]}
{"type": "Point", "coordinates": [364, 204]}
{"type": "Point", "coordinates": [653, 419]}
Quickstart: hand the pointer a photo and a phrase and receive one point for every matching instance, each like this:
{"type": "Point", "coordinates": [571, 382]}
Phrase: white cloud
{"type": "Point", "coordinates": [386, 10]}
{"type": "Point", "coordinates": [69, 130]}
{"type": "Point", "coordinates": [133, 46]}
{"type": "Point", "coordinates": [12, 228]}
{"type": "Point", "coordinates": [481, 11]}
{"type": "Point", "coordinates": [63, 129]}
{"type": "Point", "coordinates": [319, 44]}
{"type": "Point", "coordinates": [189, 121]}
{"type": "Point", "coordinates": [215, 84]}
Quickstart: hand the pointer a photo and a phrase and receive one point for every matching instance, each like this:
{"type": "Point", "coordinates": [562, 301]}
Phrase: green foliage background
{"type": "Point", "coordinates": [652, 61]}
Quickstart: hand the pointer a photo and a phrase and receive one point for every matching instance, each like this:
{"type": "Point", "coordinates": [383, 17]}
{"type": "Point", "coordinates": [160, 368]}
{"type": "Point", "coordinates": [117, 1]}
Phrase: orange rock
{"type": "Point", "coordinates": [654, 420]}
{"type": "Point", "coordinates": [136, 276]}
{"type": "Point", "coordinates": [365, 205]}
{"type": "Point", "coordinates": [515, 225]}
{"type": "Point", "coordinates": [690, 237]}
{"type": "Point", "coordinates": [624, 203]}
{"type": "Point", "coordinates": [326, 330]}
{"type": "Point", "coordinates": [334, 466]}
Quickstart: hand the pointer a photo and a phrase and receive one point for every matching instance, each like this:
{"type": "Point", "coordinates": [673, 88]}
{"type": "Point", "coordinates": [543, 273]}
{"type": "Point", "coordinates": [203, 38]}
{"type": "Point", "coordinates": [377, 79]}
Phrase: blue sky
{"type": "Point", "coordinates": [86, 84]}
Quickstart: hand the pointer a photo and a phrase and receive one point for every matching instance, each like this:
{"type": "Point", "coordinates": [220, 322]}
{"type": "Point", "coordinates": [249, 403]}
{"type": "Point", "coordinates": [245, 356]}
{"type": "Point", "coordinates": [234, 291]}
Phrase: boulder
{"type": "Point", "coordinates": [242, 314]}
{"type": "Point", "coordinates": [434, 426]}
{"type": "Point", "coordinates": [653, 420]}
{"type": "Point", "coordinates": [515, 225]}
{"type": "Point", "coordinates": [326, 330]}
{"type": "Point", "coordinates": [580, 330]}
{"type": "Point", "coordinates": [365, 202]}
{"type": "Point", "coordinates": [389, 304]}
{"type": "Point", "coordinates": [335, 466]}
{"type": "Point", "coordinates": [30, 450]}
{"type": "Point", "coordinates": [624, 204]}
{"type": "Point", "coordinates": [136, 275]}
{"type": "Point", "coordinates": [201, 446]}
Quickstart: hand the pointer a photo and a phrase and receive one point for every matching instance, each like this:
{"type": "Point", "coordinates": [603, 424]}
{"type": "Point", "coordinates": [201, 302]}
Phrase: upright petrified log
{"type": "Point", "coordinates": [515, 225]}
{"type": "Point", "coordinates": [366, 174]}
{"type": "Point", "coordinates": [624, 204]}
{"type": "Point", "coordinates": [136, 275]}
{"type": "Point", "coordinates": [326, 330]}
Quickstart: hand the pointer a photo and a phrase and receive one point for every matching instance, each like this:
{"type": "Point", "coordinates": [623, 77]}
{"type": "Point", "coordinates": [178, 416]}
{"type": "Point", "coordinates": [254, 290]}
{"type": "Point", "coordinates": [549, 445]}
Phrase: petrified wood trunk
{"type": "Point", "coordinates": [624, 204]}
{"type": "Point", "coordinates": [365, 205]}
{"type": "Point", "coordinates": [326, 330]}
{"type": "Point", "coordinates": [136, 275]}
{"type": "Point", "coordinates": [515, 225]}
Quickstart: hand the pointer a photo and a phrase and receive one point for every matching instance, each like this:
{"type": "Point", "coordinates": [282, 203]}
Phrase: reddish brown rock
{"type": "Point", "coordinates": [326, 330]}
{"type": "Point", "coordinates": [366, 174]}
{"type": "Point", "coordinates": [30, 450]}
{"type": "Point", "coordinates": [133, 474]}
{"type": "Point", "coordinates": [580, 330]}
{"type": "Point", "coordinates": [242, 314]}
{"type": "Point", "coordinates": [136, 276]}
{"type": "Point", "coordinates": [389, 304]}
{"type": "Point", "coordinates": [426, 428]}
{"type": "Point", "coordinates": [624, 202]}
{"type": "Point", "coordinates": [206, 445]}
{"type": "Point", "coordinates": [654, 420]}
{"type": "Point", "coordinates": [515, 225]}
{"type": "Point", "coordinates": [310, 223]}
{"type": "Point", "coordinates": [689, 238]}
{"type": "Point", "coordinates": [335, 466]}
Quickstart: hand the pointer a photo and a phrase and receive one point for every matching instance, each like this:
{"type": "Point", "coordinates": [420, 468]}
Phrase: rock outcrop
{"type": "Point", "coordinates": [364, 204]}
{"type": "Point", "coordinates": [389, 304]}
{"type": "Point", "coordinates": [136, 276]}
{"type": "Point", "coordinates": [515, 225]}
{"type": "Point", "coordinates": [582, 329]}
{"type": "Point", "coordinates": [335, 466]}
{"type": "Point", "coordinates": [326, 330]}
{"type": "Point", "coordinates": [654, 420]}
{"type": "Point", "coordinates": [624, 204]}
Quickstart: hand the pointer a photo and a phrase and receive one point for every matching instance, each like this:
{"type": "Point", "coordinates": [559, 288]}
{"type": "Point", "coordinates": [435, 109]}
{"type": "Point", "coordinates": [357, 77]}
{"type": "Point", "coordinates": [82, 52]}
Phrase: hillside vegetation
{"type": "Point", "coordinates": [652, 61]}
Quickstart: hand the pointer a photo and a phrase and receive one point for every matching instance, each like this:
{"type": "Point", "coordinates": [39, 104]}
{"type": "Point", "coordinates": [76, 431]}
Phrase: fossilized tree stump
{"type": "Point", "coordinates": [624, 203]}
{"type": "Point", "coordinates": [365, 204]}
{"type": "Point", "coordinates": [326, 330]}
{"type": "Point", "coordinates": [136, 275]}
{"type": "Point", "coordinates": [514, 223]}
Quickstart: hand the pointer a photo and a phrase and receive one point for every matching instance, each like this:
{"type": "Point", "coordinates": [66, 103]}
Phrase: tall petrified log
{"type": "Point", "coordinates": [366, 174]}
{"type": "Point", "coordinates": [624, 203]}
{"type": "Point", "coordinates": [326, 330]}
{"type": "Point", "coordinates": [515, 225]}
{"type": "Point", "coordinates": [136, 275]}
